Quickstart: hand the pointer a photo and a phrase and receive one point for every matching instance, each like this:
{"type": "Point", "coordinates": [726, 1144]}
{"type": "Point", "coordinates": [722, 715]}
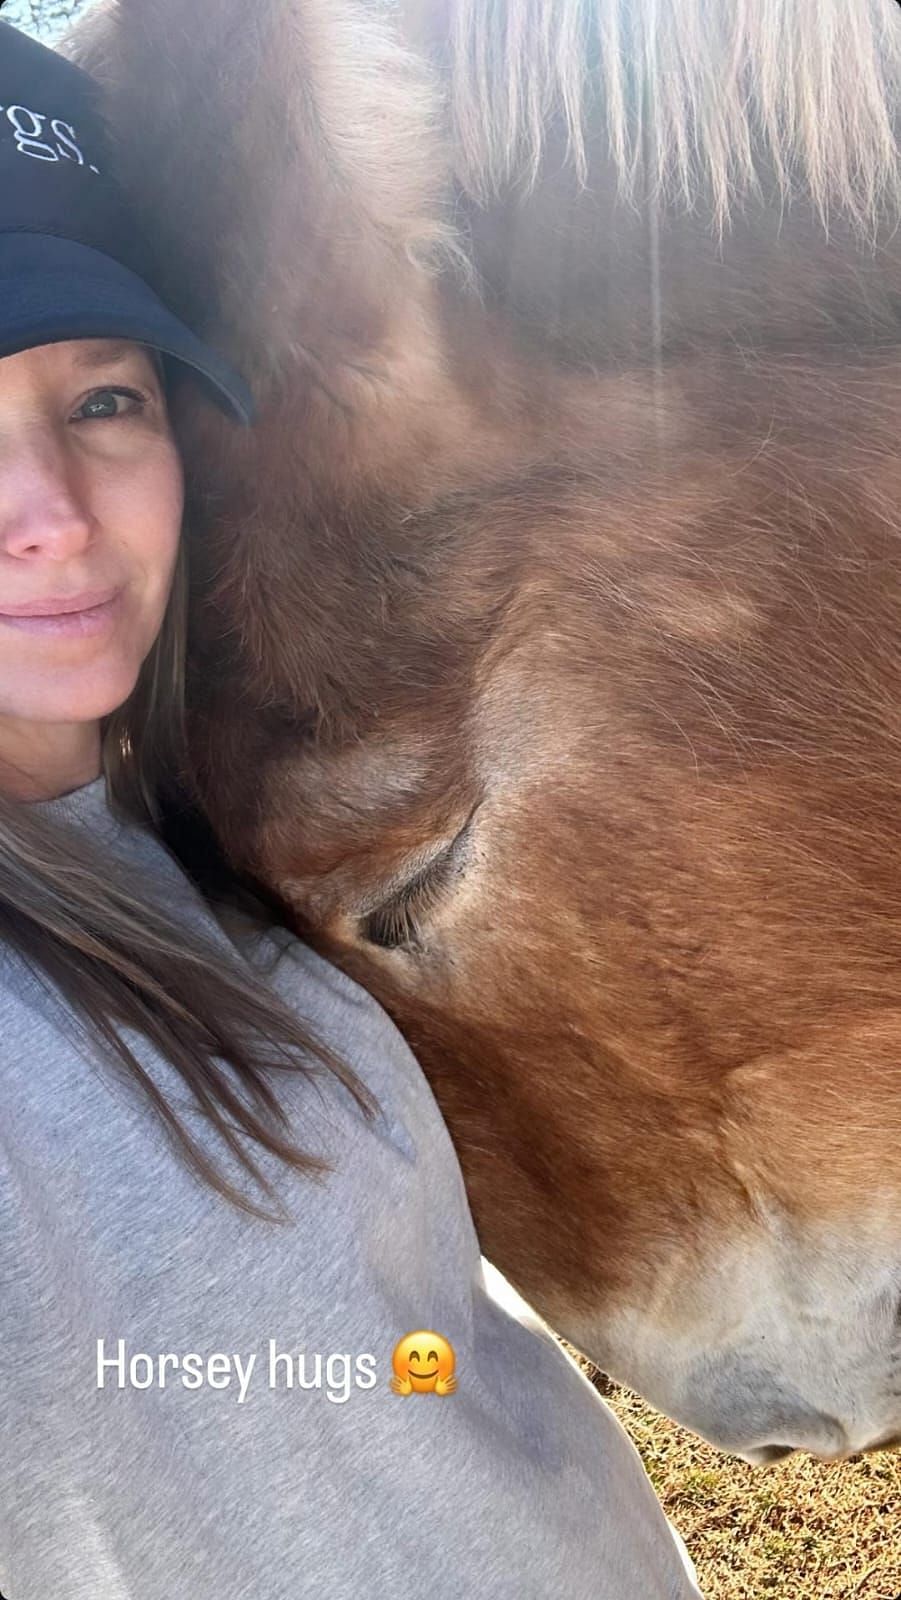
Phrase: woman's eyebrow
{"type": "Point", "coordinates": [109, 353]}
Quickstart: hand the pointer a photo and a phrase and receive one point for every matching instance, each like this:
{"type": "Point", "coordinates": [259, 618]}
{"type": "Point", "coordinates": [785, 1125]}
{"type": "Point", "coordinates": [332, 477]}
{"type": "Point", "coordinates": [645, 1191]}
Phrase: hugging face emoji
{"type": "Point", "coordinates": [423, 1363]}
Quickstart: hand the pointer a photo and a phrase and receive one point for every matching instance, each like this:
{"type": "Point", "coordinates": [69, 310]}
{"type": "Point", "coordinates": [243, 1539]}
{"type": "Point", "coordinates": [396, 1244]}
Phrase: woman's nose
{"type": "Point", "coordinates": [43, 506]}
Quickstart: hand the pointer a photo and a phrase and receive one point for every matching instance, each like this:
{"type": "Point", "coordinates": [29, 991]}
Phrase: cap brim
{"type": "Point", "coordinates": [54, 289]}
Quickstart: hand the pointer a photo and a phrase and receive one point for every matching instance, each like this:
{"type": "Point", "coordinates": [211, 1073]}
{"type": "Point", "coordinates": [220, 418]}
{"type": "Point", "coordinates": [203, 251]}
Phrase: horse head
{"type": "Point", "coordinates": [545, 649]}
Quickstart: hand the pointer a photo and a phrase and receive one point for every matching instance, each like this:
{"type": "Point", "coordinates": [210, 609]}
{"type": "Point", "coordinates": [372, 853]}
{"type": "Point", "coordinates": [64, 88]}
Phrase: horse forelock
{"type": "Point", "coordinates": [696, 97]}
{"type": "Point", "coordinates": [281, 157]}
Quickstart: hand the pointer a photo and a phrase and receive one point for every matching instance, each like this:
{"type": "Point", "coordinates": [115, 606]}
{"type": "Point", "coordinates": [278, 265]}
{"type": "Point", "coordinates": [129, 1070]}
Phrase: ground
{"type": "Point", "coordinates": [800, 1530]}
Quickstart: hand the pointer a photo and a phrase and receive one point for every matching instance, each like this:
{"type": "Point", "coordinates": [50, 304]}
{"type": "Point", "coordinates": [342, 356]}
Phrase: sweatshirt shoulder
{"type": "Point", "coordinates": [341, 1011]}
{"type": "Point", "coordinates": [291, 966]}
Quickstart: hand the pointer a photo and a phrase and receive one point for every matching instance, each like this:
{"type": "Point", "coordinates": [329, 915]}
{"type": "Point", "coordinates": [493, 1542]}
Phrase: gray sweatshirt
{"type": "Point", "coordinates": [196, 1403]}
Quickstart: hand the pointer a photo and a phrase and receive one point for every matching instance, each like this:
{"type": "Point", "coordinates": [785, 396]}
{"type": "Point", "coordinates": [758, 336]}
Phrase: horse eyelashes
{"type": "Point", "coordinates": [390, 927]}
{"type": "Point", "coordinates": [395, 924]}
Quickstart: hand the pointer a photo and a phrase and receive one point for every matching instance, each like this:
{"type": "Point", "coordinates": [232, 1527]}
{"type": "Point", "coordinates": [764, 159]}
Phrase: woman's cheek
{"type": "Point", "coordinates": [149, 515]}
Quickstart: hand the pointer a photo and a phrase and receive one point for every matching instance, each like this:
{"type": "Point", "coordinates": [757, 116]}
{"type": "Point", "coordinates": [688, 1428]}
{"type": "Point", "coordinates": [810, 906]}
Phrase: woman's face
{"type": "Point", "coordinates": [90, 516]}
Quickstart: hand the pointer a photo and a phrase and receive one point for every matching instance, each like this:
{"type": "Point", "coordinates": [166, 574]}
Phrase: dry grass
{"type": "Point", "coordinates": [799, 1530]}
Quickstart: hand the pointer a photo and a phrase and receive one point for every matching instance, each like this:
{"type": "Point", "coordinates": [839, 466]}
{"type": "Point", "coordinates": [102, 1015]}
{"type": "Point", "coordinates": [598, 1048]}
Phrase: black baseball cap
{"type": "Point", "coordinates": [72, 257]}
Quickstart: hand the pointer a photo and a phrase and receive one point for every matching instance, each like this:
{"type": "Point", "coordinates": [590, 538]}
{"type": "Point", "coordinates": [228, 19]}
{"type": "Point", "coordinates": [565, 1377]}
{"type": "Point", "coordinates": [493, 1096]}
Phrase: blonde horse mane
{"type": "Point", "coordinates": [697, 95]}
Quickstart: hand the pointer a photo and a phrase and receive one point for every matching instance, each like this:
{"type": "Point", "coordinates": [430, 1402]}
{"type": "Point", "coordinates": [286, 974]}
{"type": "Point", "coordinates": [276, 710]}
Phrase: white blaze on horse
{"type": "Point", "coordinates": [547, 645]}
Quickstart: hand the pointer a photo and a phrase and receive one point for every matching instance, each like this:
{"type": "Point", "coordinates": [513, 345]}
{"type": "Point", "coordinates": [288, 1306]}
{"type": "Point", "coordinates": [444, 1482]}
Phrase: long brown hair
{"type": "Point", "coordinates": [123, 963]}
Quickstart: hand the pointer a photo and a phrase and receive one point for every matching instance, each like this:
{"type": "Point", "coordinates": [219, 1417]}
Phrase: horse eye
{"type": "Point", "coordinates": [395, 924]}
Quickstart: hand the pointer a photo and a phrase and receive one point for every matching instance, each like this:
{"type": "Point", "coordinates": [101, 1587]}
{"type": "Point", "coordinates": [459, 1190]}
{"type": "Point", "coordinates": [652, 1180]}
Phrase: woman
{"type": "Point", "coordinates": [226, 1192]}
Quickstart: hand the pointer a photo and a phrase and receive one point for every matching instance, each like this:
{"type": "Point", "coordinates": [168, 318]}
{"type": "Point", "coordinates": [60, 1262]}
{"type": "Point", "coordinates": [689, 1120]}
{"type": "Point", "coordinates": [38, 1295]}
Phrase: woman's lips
{"type": "Point", "coordinates": [91, 618]}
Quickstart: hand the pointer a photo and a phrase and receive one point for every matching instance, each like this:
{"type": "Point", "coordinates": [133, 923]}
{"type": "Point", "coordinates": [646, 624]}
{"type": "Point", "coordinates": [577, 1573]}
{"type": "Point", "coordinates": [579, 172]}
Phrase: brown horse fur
{"type": "Point", "coordinates": [587, 560]}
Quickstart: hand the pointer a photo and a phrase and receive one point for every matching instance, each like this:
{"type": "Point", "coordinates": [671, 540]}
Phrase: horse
{"type": "Point", "coordinates": [545, 640]}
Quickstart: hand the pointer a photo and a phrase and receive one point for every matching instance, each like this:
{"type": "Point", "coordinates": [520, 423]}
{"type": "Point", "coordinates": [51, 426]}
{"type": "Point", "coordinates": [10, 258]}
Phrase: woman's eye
{"type": "Point", "coordinates": [105, 403]}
